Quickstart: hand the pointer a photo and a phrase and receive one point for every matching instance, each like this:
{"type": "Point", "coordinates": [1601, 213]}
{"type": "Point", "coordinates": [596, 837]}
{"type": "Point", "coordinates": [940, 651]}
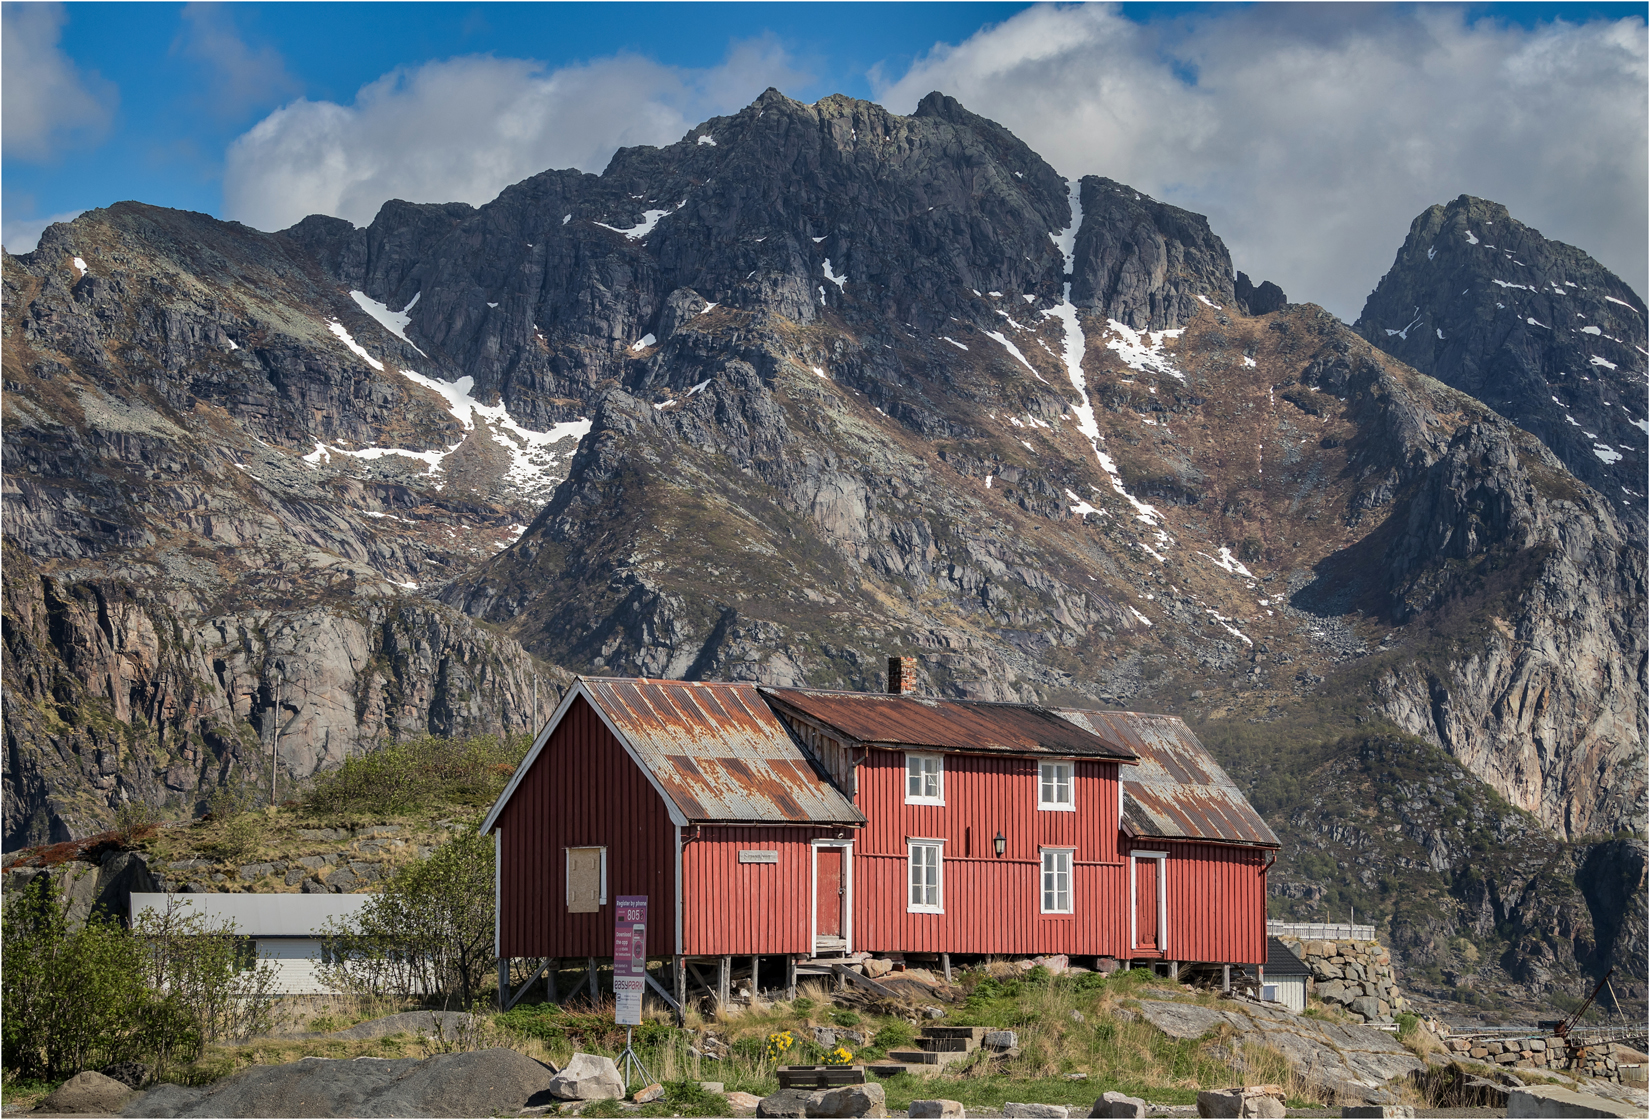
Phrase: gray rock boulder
{"type": "Point", "coordinates": [940, 1109]}
{"type": "Point", "coordinates": [1118, 1104]}
{"type": "Point", "coordinates": [785, 1103]}
{"type": "Point", "coordinates": [482, 1083]}
{"type": "Point", "coordinates": [1238, 1103]}
{"type": "Point", "coordinates": [588, 1077]}
{"type": "Point", "coordinates": [1041, 1111]}
{"type": "Point", "coordinates": [86, 1092]}
{"type": "Point", "coordinates": [849, 1100]}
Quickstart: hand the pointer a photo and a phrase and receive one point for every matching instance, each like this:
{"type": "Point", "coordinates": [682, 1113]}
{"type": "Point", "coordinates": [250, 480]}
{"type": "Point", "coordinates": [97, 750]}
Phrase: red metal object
{"type": "Point", "coordinates": [582, 791]}
{"type": "Point", "coordinates": [1177, 790]}
{"type": "Point", "coordinates": [992, 904]}
{"type": "Point", "coordinates": [966, 725]}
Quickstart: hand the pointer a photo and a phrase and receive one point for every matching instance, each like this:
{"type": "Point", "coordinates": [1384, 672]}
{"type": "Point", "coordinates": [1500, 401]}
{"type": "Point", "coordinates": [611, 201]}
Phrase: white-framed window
{"type": "Point", "coordinates": [927, 859]}
{"type": "Point", "coordinates": [1057, 880]}
{"type": "Point", "coordinates": [586, 880]}
{"type": "Point", "coordinates": [1054, 786]}
{"type": "Point", "coordinates": [924, 779]}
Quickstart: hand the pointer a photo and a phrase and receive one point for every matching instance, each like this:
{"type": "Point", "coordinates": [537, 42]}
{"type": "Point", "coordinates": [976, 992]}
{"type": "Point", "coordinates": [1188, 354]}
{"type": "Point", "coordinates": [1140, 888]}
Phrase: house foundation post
{"type": "Point", "coordinates": [945, 966]}
{"type": "Point", "coordinates": [724, 980]}
{"type": "Point", "coordinates": [790, 976]}
{"type": "Point", "coordinates": [756, 972]}
{"type": "Point", "coordinates": [550, 980]}
{"type": "Point", "coordinates": [1174, 970]}
{"type": "Point", "coordinates": [503, 982]}
{"type": "Point", "coordinates": [595, 985]}
{"type": "Point", "coordinates": [678, 983]}
{"type": "Point", "coordinates": [1225, 977]}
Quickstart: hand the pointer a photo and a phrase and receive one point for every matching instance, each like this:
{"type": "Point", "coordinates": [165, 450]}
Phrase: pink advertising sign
{"type": "Point", "coordinates": [629, 958]}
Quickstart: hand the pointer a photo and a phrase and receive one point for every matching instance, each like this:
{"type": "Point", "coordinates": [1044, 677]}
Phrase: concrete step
{"type": "Point", "coordinates": [926, 1057]}
{"type": "Point", "coordinates": [976, 1033]}
{"type": "Point", "coordinates": [947, 1045]}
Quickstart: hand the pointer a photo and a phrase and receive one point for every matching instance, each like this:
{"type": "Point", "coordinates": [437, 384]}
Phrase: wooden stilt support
{"type": "Point", "coordinates": [678, 980]}
{"type": "Point", "coordinates": [1225, 977]}
{"type": "Point", "coordinates": [724, 978]}
{"type": "Point", "coordinates": [756, 973]}
{"type": "Point", "coordinates": [1174, 970]}
{"type": "Point", "coordinates": [595, 985]}
{"type": "Point", "coordinates": [790, 976]}
{"type": "Point", "coordinates": [503, 983]}
{"type": "Point", "coordinates": [945, 966]}
{"type": "Point", "coordinates": [550, 981]}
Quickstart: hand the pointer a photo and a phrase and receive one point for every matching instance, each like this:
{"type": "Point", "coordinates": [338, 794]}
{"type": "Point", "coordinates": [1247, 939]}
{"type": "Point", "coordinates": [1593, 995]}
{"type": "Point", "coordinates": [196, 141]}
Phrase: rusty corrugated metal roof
{"type": "Point", "coordinates": [719, 752]}
{"type": "Point", "coordinates": [962, 725]}
{"type": "Point", "coordinates": [1178, 791]}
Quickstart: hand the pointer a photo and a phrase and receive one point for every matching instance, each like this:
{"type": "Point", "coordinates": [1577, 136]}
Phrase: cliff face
{"type": "Point", "coordinates": [1536, 329]}
{"type": "Point", "coordinates": [840, 384]}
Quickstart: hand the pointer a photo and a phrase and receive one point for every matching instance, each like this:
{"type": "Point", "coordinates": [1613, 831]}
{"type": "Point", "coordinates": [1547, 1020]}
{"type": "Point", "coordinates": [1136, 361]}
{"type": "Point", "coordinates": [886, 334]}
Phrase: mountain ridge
{"type": "Point", "coordinates": [840, 384]}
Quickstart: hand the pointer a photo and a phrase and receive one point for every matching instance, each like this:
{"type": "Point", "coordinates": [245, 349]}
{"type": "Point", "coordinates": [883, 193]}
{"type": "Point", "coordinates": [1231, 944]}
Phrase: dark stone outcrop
{"type": "Point", "coordinates": [1536, 329]}
{"type": "Point", "coordinates": [1144, 262]}
{"type": "Point", "coordinates": [1261, 300]}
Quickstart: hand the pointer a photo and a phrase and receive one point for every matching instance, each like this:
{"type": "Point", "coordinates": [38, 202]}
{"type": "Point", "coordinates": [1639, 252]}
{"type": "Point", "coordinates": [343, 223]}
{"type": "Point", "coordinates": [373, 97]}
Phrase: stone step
{"type": "Point", "coordinates": [976, 1033]}
{"type": "Point", "coordinates": [926, 1057]}
{"type": "Point", "coordinates": [947, 1045]}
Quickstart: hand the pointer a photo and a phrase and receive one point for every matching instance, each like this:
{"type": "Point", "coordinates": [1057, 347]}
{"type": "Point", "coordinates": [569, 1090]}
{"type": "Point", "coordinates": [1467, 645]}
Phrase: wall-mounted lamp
{"type": "Point", "coordinates": [1000, 843]}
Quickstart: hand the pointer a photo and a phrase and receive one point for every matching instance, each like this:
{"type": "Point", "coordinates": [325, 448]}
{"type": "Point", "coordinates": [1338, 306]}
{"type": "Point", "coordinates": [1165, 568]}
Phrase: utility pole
{"type": "Point", "coordinates": [275, 741]}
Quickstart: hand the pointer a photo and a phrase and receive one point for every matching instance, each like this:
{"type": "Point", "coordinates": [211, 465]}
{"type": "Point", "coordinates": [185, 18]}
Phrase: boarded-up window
{"type": "Point", "coordinates": [586, 879]}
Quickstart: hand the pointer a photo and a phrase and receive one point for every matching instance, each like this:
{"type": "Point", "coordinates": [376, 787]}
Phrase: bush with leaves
{"type": "Point", "coordinates": [400, 778]}
{"type": "Point", "coordinates": [428, 935]}
{"type": "Point", "coordinates": [211, 971]}
{"type": "Point", "coordinates": [75, 998]}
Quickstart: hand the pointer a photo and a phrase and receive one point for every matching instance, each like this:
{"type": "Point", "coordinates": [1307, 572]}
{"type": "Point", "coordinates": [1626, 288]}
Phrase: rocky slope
{"type": "Point", "coordinates": [1536, 329]}
{"type": "Point", "coordinates": [841, 383]}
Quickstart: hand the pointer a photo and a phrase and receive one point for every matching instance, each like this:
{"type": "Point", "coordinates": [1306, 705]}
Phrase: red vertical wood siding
{"type": "Point", "coordinates": [991, 905]}
{"type": "Point", "coordinates": [1145, 905]}
{"type": "Point", "coordinates": [583, 791]}
{"type": "Point", "coordinates": [1216, 898]}
{"type": "Point", "coordinates": [739, 908]}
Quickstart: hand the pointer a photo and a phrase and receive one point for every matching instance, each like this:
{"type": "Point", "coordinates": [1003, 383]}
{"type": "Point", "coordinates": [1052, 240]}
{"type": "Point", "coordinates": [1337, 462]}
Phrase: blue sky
{"type": "Point", "coordinates": [1309, 134]}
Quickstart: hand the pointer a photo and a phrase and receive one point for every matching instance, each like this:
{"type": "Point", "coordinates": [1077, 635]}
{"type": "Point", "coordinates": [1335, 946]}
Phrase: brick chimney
{"type": "Point", "coordinates": [902, 675]}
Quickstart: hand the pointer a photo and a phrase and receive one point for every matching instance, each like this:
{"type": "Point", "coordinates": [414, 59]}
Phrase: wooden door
{"type": "Point", "coordinates": [830, 892]}
{"type": "Point", "coordinates": [1145, 905]}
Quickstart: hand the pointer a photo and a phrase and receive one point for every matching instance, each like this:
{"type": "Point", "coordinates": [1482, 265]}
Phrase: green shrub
{"type": "Point", "coordinates": [843, 1017]}
{"type": "Point", "coordinates": [400, 778]}
{"type": "Point", "coordinates": [75, 999]}
{"type": "Point", "coordinates": [895, 1035]}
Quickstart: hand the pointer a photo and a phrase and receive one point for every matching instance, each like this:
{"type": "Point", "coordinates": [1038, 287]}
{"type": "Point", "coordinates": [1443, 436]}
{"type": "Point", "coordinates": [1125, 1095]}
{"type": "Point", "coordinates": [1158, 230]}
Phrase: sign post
{"type": "Point", "coordinates": [629, 975]}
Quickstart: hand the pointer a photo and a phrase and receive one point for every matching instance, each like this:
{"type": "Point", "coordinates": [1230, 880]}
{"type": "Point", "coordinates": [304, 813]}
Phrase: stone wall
{"type": "Point", "coordinates": [1355, 976]}
{"type": "Point", "coordinates": [1608, 1061]}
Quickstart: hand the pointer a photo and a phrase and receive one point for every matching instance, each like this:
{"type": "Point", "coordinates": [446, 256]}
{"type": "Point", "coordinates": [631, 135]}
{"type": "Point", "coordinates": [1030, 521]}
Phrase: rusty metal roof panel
{"type": "Point", "coordinates": [1177, 791]}
{"type": "Point", "coordinates": [719, 752]}
{"type": "Point", "coordinates": [938, 724]}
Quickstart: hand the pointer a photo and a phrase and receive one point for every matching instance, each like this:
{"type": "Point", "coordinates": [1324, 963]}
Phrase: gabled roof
{"type": "Point", "coordinates": [1178, 791]}
{"type": "Point", "coordinates": [713, 751]}
{"type": "Point", "coordinates": [1281, 961]}
{"type": "Point", "coordinates": [258, 915]}
{"type": "Point", "coordinates": [959, 725]}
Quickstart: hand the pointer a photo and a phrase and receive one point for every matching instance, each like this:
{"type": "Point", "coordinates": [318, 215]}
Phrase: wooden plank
{"type": "Point", "coordinates": [521, 991]}
{"type": "Point", "coordinates": [851, 977]}
{"type": "Point", "coordinates": [664, 995]}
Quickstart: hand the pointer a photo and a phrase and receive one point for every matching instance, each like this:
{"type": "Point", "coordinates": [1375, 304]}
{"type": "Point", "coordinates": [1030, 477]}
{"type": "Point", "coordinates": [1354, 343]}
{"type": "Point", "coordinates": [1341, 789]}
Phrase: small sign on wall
{"type": "Point", "coordinates": [758, 855]}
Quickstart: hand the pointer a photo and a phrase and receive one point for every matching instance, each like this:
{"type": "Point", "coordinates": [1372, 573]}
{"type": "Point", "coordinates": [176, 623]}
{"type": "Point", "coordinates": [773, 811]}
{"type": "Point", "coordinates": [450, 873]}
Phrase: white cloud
{"type": "Point", "coordinates": [462, 129]}
{"type": "Point", "coordinates": [46, 103]}
{"type": "Point", "coordinates": [23, 234]}
{"type": "Point", "coordinates": [1312, 136]}
{"type": "Point", "coordinates": [242, 77]}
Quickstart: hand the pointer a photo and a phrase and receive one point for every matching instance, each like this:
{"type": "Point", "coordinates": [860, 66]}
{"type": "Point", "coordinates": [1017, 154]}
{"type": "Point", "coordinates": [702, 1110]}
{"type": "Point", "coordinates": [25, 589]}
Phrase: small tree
{"type": "Point", "coordinates": [429, 934]}
{"type": "Point", "coordinates": [75, 999]}
{"type": "Point", "coordinates": [208, 970]}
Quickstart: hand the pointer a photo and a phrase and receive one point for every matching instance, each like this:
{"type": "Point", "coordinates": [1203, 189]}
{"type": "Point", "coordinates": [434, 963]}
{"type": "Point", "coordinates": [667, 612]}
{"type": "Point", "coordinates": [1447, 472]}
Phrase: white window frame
{"type": "Point", "coordinates": [567, 872]}
{"type": "Point", "coordinates": [1071, 786]}
{"type": "Point", "coordinates": [1162, 859]}
{"type": "Point", "coordinates": [912, 843]}
{"type": "Point", "coordinates": [939, 778]}
{"type": "Point", "coordinates": [1071, 885]}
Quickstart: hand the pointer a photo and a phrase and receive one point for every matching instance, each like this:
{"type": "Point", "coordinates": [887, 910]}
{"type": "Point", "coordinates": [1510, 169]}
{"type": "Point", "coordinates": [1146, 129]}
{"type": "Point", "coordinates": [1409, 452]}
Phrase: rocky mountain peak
{"type": "Point", "coordinates": [1536, 329]}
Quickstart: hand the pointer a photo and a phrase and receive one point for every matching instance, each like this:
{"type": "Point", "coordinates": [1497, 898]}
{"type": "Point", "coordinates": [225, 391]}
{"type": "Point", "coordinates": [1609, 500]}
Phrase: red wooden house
{"type": "Point", "coordinates": [807, 823]}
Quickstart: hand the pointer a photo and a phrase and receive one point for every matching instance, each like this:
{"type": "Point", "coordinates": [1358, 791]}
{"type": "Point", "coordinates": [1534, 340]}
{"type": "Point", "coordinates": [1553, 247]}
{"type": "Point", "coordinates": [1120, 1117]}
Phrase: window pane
{"type": "Point", "coordinates": [913, 777]}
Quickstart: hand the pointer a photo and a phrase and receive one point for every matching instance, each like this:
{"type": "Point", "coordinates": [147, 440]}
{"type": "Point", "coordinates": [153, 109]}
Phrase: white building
{"type": "Point", "coordinates": [284, 928]}
{"type": "Point", "coordinates": [1284, 978]}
